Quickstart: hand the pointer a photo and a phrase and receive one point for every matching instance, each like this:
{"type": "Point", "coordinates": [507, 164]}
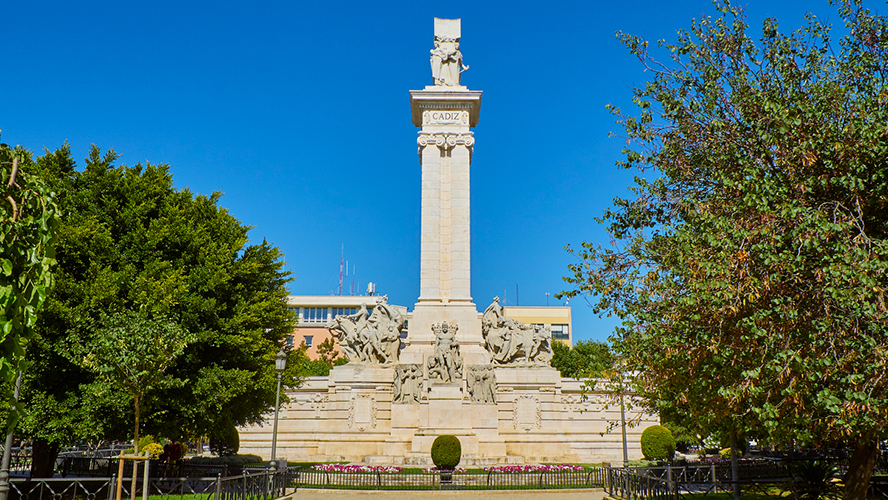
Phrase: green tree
{"type": "Point", "coordinates": [130, 352]}
{"type": "Point", "coordinates": [750, 264]}
{"type": "Point", "coordinates": [28, 222]}
{"type": "Point", "coordinates": [587, 358]}
{"type": "Point", "coordinates": [130, 241]}
{"type": "Point", "coordinates": [327, 351]}
{"type": "Point", "coordinates": [328, 357]}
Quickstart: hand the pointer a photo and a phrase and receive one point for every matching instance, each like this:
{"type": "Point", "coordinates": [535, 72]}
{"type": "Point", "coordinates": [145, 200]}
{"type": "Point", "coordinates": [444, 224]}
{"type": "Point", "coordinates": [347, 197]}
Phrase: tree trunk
{"type": "Point", "coordinates": [135, 452]}
{"type": "Point", "coordinates": [136, 431]}
{"type": "Point", "coordinates": [43, 458]}
{"type": "Point", "coordinates": [735, 466]}
{"type": "Point", "coordinates": [860, 470]}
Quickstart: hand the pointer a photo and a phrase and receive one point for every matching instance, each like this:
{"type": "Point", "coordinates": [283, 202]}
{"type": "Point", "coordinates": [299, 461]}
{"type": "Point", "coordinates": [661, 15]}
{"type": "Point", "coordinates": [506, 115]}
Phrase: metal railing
{"type": "Point", "coordinates": [591, 478]}
{"type": "Point", "coordinates": [104, 467]}
{"type": "Point", "coordinates": [256, 485]}
{"type": "Point", "coordinates": [630, 484]}
{"type": "Point", "coordinates": [668, 482]}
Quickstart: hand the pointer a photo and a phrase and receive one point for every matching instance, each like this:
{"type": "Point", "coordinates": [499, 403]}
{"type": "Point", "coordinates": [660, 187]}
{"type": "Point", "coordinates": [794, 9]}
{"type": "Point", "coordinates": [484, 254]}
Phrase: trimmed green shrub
{"type": "Point", "coordinates": [657, 443]}
{"type": "Point", "coordinates": [446, 452]}
{"type": "Point", "coordinates": [226, 442]}
{"type": "Point", "coordinates": [726, 453]}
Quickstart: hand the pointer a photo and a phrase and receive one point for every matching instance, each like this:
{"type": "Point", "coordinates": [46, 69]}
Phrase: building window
{"type": "Point", "coordinates": [308, 339]}
{"type": "Point", "coordinates": [314, 315]}
{"type": "Point", "coordinates": [289, 343]}
{"type": "Point", "coordinates": [343, 311]}
{"type": "Point", "coordinates": [560, 332]}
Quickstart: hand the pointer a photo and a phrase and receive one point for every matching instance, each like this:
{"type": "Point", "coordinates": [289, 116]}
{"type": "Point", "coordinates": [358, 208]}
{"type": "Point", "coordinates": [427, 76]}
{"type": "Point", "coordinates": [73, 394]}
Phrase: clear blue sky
{"type": "Point", "coordinates": [299, 113]}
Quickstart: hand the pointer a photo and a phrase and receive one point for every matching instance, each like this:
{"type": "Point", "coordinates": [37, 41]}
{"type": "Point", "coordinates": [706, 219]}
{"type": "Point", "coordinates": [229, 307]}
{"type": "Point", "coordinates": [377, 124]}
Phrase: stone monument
{"type": "Point", "coordinates": [482, 377]}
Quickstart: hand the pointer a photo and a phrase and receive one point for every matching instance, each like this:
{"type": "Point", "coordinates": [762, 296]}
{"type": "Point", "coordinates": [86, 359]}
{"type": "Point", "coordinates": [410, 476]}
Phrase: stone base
{"type": "Point", "coordinates": [538, 418]}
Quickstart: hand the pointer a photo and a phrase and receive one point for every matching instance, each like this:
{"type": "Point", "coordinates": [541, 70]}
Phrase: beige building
{"type": "Point", "coordinates": [556, 318]}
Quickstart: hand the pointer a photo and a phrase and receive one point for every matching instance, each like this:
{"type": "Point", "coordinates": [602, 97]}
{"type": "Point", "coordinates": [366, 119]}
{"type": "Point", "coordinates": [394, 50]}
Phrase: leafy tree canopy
{"type": "Point", "coordinates": [587, 358]}
{"type": "Point", "coordinates": [130, 352]}
{"type": "Point", "coordinates": [28, 230]}
{"type": "Point", "coordinates": [130, 241]}
{"type": "Point", "coordinates": [328, 357]}
{"type": "Point", "coordinates": [750, 264]}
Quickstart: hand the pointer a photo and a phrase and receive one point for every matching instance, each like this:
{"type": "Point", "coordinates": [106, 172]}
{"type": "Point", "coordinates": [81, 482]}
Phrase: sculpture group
{"type": "Point", "coordinates": [375, 338]}
{"type": "Point", "coordinates": [365, 337]}
{"type": "Point", "coordinates": [511, 342]}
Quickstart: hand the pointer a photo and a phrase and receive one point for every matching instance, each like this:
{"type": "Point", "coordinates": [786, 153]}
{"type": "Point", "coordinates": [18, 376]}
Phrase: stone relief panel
{"type": "Point", "coordinates": [447, 363]}
{"type": "Point", "coordinates": [527, 414]}
{"type": "Point", "coordinates": [573, 405]}
{"type": "Point", "coordinates": [514, 343]}
{"type": "Point", "coordinates": [362, 412]}
{"type": "Point", "coordinates": [408, 384]}
{"type": "Point", "coordinates": [319, 404]}
{"type": "Point", "coordinates": [481, 384]}
{"type": "Point", "coordinates": [370, 338]}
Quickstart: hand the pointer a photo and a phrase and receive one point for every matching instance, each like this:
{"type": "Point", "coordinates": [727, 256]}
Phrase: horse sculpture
{"type": "Point", "coordinates": [369, 338]}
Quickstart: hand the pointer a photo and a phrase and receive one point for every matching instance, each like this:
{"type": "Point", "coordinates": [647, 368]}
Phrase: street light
{"type": "Point", "coordinates": [280, 362]}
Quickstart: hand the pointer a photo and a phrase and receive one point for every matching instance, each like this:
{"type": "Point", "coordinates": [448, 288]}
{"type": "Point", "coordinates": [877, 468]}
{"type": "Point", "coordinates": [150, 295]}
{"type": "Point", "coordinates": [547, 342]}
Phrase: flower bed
{"type": "Point", "coordinates": [534, 468]}
{"type": "Point", "coordinates": [503, 469]}
{"type": "Point", "coordinates": [348, 469]}
{"type": "Point", "coordinates": [726, 461]}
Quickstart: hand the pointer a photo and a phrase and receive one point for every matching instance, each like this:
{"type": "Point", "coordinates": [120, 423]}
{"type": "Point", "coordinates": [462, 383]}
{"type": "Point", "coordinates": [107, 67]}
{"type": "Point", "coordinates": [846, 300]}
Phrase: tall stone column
{"type": "Point", "coordinates": [446, 112]}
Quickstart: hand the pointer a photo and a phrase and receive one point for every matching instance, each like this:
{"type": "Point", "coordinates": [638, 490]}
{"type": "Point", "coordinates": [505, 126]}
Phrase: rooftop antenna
{"type": "Point", "coordinates": [341, 256]}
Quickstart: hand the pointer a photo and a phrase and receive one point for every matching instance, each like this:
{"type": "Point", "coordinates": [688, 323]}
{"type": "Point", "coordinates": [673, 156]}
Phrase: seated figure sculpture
{"type": "Point", "coordinates": [511, 342]}
{"type": "Point", "coordinates": [371, 338]}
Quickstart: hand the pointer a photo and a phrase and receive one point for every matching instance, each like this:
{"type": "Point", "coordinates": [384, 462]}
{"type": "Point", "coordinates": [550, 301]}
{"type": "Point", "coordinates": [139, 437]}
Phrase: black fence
{"type": "Point", "coordinates": [105, 467]}
{"type": "Point", "coordinates": [254, 485]}
{"type": "Point", "coordinates": [590, 478]}
{"type": "Point", "coordinates": [774, 479]}
{"type": "Point", "coordinates": [632, 485]}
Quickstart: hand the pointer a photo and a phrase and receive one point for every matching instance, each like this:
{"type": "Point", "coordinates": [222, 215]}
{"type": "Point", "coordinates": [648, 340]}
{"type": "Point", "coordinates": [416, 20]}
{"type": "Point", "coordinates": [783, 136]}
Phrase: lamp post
{"type": "Point", "coordinates": [280, 362]}
{"type": "Point", "coordinates": [623, 423]}
{"type": "Point", "coordinates": [7, 450]}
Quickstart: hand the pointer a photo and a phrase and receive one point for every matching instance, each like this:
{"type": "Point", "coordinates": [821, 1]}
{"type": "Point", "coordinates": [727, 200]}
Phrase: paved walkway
{"type": "Point", "coordinates": [312, 494]}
